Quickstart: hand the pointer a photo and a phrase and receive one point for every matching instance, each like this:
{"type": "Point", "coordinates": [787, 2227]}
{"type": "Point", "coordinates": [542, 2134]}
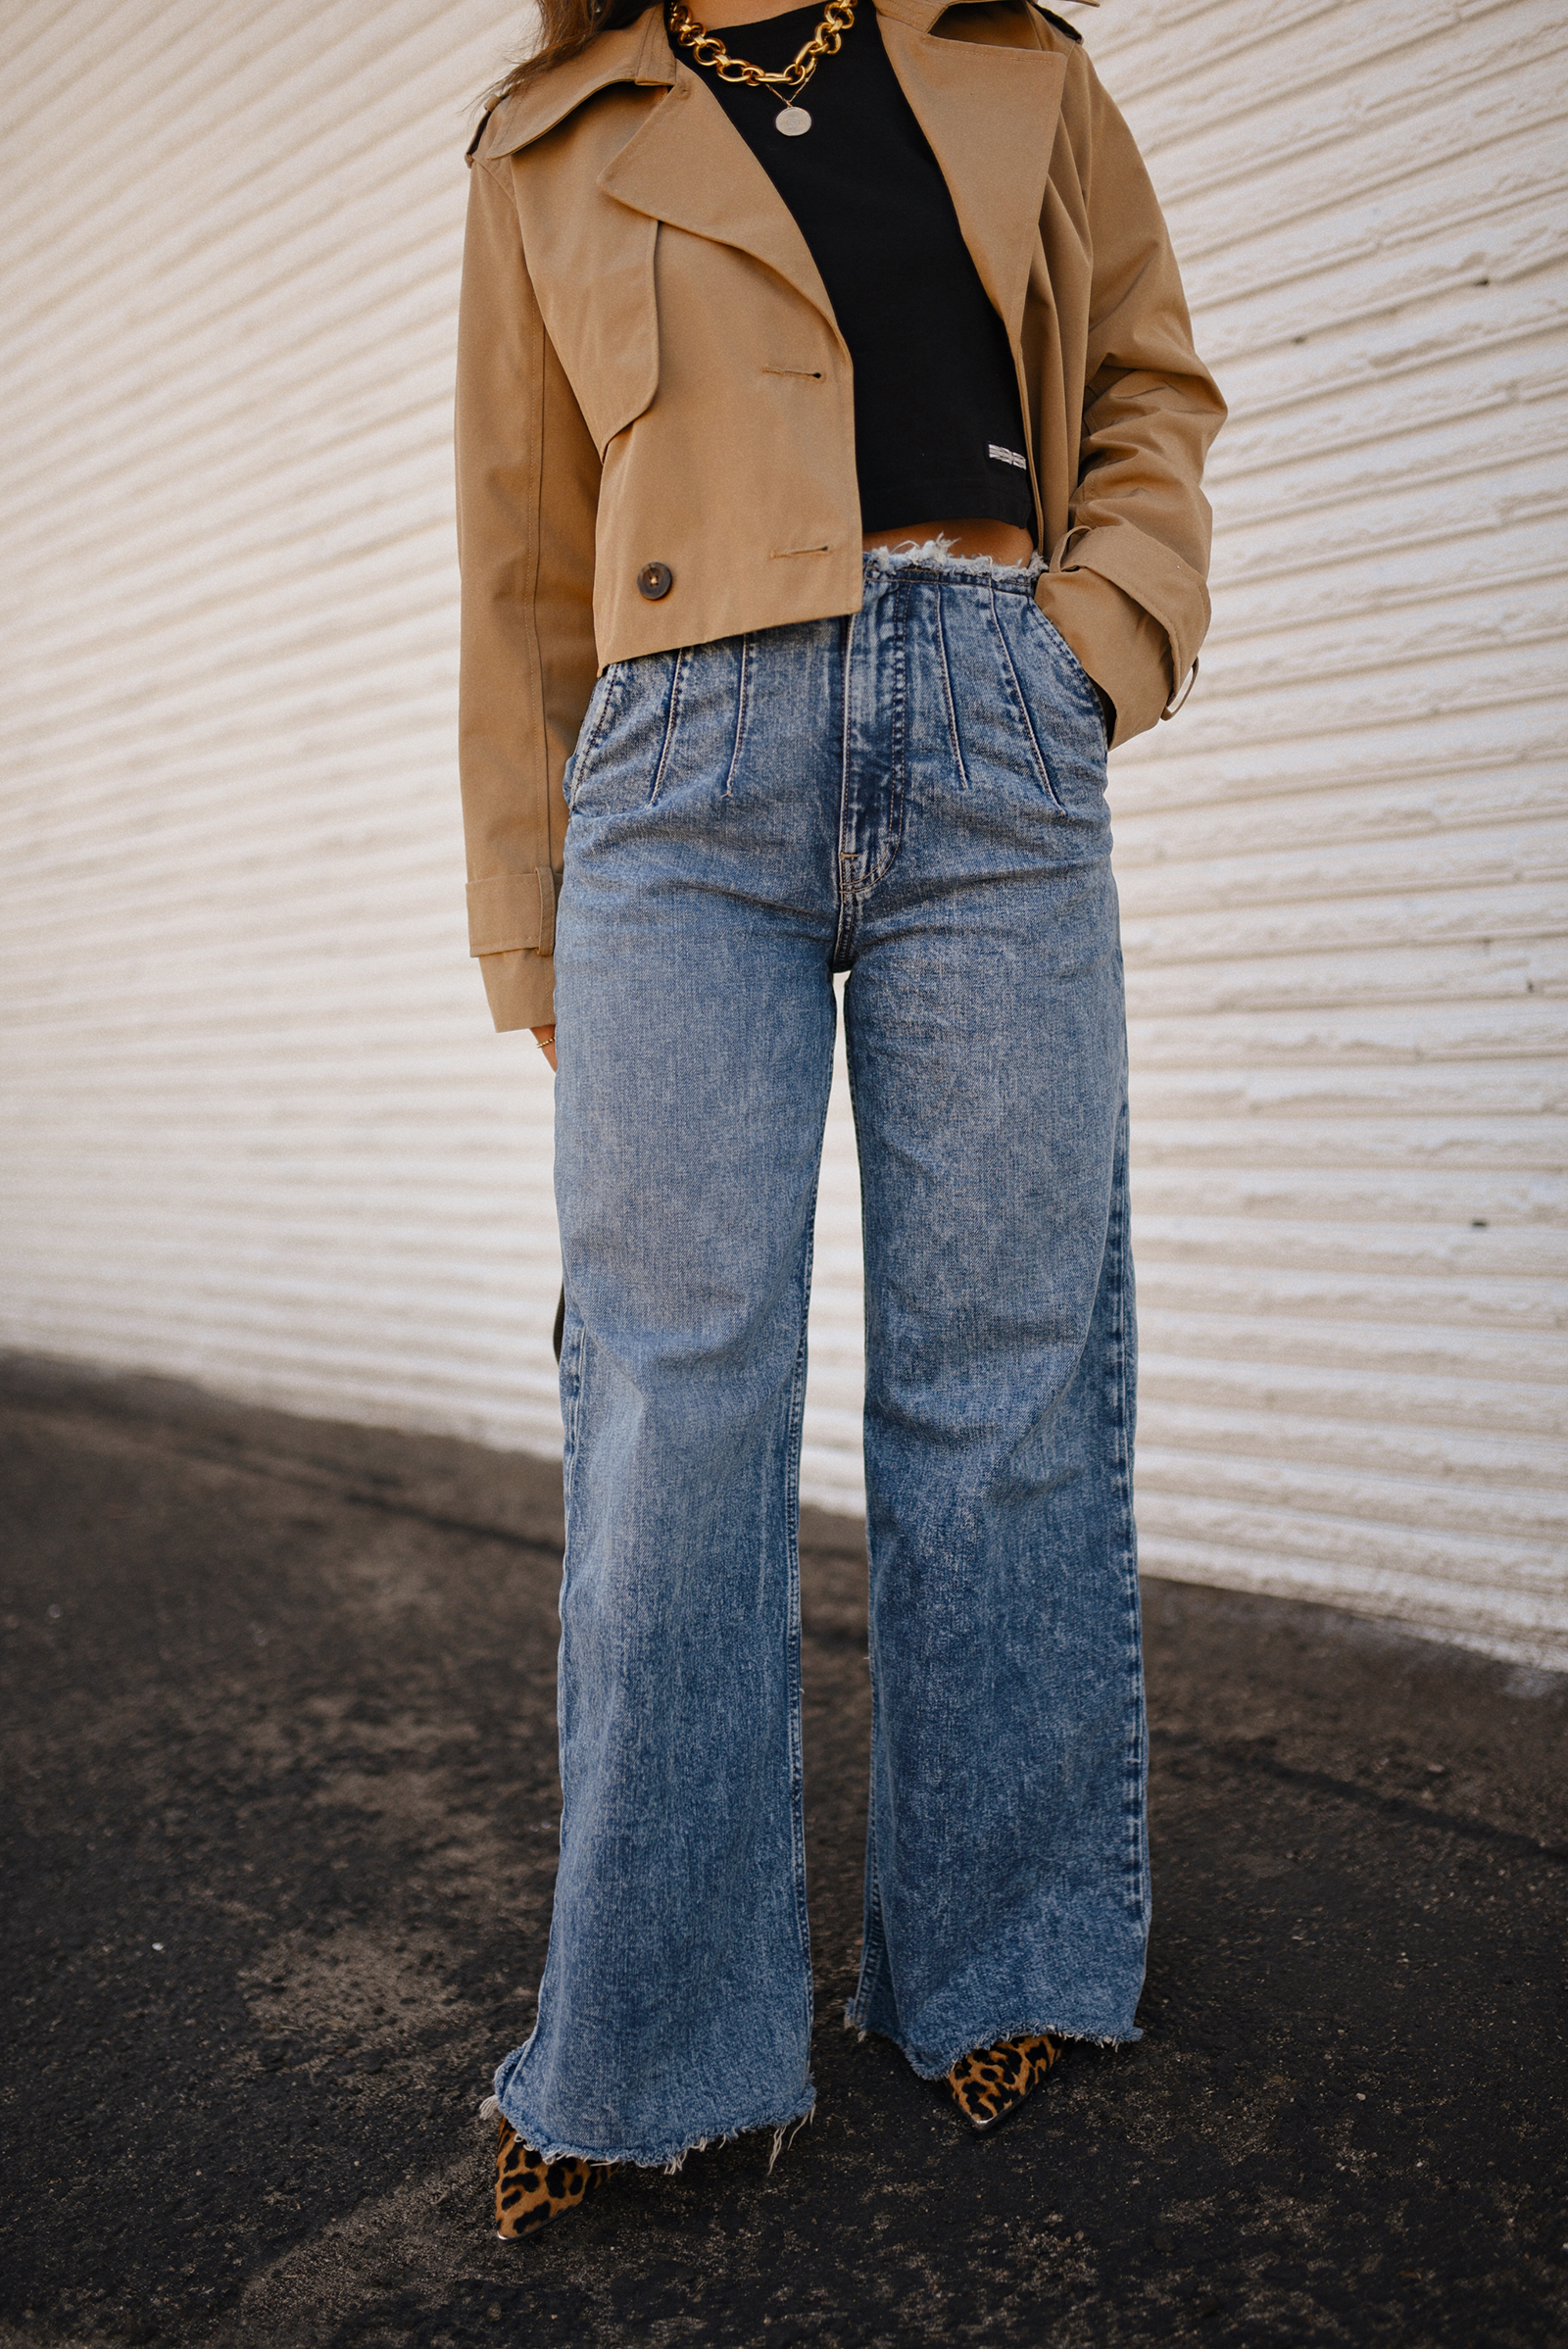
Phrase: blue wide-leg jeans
{"type": "Point", "coordinates": [916, 796]}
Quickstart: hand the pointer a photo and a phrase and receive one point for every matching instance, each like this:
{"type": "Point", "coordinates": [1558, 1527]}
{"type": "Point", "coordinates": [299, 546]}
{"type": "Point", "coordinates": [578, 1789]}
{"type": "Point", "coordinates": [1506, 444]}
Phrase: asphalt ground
{"type": "Point", "coordinates": [281, 1816]}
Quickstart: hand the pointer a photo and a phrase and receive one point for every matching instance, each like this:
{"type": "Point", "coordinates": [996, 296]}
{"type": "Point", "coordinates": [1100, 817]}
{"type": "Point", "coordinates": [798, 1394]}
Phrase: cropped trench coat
{"type": "Point", "coordinates": [650, 372]}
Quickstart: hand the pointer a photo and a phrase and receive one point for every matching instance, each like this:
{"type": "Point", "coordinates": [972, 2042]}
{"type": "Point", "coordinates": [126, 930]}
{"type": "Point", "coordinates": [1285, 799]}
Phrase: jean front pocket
{"type": "Point", "coordinates": [595, 721]}
{"type": "Point", "coordinates": [1068, 673]}
{"type": "Point", "coordinates": [620, 770]}
{"type": "Point", "coordinates": [1021, 696]}
{"type": "Point", "coordinates": [627, 736]}
{"type": "Point", "coordinates": [1069, 715]}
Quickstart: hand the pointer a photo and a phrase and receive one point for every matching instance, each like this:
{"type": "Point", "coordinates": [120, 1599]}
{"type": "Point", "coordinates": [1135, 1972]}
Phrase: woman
{"type": "Point", "coordinates": [829, 444]}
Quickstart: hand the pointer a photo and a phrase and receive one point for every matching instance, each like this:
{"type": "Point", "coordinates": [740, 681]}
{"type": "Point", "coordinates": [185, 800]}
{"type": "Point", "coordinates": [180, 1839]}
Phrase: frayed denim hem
{"type": "Point", "coordinates": [667, 2158]}
{"type": "Point", "coordinates": [937, 2068]}
{"type": "Point", "coordinates": [936, 555]}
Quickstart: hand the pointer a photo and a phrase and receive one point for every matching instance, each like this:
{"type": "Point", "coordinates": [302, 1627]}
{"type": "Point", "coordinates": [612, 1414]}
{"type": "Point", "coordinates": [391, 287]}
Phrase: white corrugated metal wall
{"type": "Point", "coordinates": [256, 1130]}
{"type": "Point", "coordinates": [1342, 868]}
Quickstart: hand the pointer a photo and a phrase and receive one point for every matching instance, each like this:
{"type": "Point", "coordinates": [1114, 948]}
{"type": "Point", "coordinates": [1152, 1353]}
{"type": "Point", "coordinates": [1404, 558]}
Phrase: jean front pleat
{"type": "Point", "coordinates": [916, 796]}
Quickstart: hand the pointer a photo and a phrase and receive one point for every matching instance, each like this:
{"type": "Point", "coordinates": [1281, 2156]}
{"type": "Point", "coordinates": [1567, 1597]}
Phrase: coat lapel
{"type": "Point", "coordinates": [989, 116]}
{"type": "Point", "coordinates": [687, 165]}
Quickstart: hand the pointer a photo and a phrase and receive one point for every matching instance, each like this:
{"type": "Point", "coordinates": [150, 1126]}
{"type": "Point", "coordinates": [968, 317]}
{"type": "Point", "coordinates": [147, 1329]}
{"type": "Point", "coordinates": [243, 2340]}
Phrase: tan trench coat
{"type": "Point", "coordinates": [650, 372]}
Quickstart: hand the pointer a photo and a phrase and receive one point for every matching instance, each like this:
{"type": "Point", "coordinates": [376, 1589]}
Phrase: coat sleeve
{"type": "Point", "coordinates": [527, 494]}
{"type": "Point", "coordinates": [1126, 585]}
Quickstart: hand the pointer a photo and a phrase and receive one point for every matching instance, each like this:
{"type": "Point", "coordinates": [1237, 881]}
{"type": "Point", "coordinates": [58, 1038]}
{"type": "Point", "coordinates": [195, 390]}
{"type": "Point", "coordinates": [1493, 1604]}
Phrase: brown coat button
{"type": "Point", "coordinates": [654, 580]}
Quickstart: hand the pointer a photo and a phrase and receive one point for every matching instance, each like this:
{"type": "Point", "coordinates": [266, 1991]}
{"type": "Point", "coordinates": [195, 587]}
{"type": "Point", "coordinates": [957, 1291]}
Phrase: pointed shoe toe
{"type": "Point", "coordinates": [990, 2084]}
{"type": "Point", "coordinates": [532, 2191]}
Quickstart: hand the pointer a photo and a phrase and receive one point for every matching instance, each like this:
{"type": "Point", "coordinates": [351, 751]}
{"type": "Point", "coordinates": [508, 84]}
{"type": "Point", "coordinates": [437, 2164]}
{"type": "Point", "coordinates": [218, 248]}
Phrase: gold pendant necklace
{"type": "Point", "coordinates": [709, 50]}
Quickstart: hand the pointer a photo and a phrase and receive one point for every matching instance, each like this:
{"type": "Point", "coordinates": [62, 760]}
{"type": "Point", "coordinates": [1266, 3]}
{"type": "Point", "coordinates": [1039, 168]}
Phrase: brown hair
{"type": "Point", "coordinates": [567, 27]}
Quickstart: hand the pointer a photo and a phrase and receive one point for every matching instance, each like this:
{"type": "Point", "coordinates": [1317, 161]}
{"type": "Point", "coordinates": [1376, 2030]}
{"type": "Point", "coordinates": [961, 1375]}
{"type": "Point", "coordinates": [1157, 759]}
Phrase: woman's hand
{"type": "Point", "coordinates": [545, 1039]}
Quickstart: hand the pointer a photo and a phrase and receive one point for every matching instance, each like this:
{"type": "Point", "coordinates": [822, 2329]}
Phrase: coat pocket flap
{"type": "Point", "coordinates": [609, 347]}
{"type": "Point", "coordinates": [575, 236]}
{"type": "Point", "coordinates": [512, 914]}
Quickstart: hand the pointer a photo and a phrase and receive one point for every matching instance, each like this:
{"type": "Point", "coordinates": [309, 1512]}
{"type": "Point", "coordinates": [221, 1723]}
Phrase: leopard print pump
{"type": "Point", "coordinates": [532, 2191]}
{"type": "Point", "coordinates": [988, 2083]}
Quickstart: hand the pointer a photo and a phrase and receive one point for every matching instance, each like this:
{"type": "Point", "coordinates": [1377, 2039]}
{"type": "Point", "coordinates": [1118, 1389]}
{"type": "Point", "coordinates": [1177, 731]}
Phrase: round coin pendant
{"type": "Point", "coordinates": [792, 122]}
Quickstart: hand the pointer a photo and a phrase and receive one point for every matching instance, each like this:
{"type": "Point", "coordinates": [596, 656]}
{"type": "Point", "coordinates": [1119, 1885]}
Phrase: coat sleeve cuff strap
{"type": "Point", "coordinates": [511, 913]}
{"type": "Point", "coordinates": [1154, 575]}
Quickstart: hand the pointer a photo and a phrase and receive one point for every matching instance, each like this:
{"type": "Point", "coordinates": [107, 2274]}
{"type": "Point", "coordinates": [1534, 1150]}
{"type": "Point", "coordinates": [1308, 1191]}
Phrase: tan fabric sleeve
{"type": "Point", "coordinates": [527, 492]}
{"type": "Point", "coordinates": [1126, 586]}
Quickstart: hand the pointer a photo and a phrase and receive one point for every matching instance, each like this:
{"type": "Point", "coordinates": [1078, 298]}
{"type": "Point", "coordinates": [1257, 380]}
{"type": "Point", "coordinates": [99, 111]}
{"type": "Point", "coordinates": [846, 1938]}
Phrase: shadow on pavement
{"type": "Point", "coordinates": [281, 1812]}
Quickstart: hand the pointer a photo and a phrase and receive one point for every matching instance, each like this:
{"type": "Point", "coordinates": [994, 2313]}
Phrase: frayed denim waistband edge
{"type": "Point", "coordinates": [936, 555]}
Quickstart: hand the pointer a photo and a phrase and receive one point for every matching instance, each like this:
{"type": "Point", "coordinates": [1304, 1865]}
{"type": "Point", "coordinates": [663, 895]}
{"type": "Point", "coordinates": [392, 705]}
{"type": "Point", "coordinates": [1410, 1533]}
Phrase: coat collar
{"type": "Point", "coordinates": [988, 111]}
{"type": "Point", "coordinates": [639, 53]}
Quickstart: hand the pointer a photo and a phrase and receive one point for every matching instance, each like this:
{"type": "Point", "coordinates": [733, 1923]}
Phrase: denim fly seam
{"type": "Point", "coordinates": [917, 795]}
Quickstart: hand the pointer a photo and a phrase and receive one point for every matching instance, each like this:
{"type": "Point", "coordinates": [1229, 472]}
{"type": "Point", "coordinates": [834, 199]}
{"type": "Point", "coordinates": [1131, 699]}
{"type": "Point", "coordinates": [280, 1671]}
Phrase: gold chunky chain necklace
{"type": "Point", "coordinates": [709, 50]}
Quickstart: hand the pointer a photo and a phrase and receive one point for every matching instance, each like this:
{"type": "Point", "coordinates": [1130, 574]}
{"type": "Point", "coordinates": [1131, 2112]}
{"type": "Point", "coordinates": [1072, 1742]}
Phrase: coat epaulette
{"type": "Point", "coordinates": [1061, 24]}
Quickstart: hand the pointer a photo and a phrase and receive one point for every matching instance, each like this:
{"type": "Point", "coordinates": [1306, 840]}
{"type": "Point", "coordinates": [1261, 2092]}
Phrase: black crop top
{"type": "Point", "coordinates": [938, 431]}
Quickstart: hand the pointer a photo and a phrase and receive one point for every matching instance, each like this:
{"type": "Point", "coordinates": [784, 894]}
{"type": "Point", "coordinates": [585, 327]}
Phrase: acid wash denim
{"type": "Point", "coordinates": [916, 796]}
